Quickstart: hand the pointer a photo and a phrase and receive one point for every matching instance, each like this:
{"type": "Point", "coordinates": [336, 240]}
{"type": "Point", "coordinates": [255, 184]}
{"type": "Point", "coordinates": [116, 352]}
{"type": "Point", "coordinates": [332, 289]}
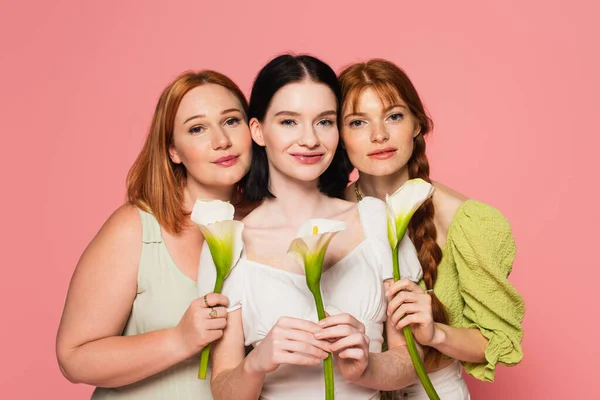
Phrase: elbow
{"type": "Point", "coordinates": [67, 367]}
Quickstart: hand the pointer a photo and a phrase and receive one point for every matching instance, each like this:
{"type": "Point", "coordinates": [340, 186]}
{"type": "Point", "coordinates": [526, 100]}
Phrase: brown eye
{"type": "Point", "coordinates": [233, 122]}
{"type": "Point", "coordinates": [287, 122]}
{"type": "Point", "coordinates": [196, 129]}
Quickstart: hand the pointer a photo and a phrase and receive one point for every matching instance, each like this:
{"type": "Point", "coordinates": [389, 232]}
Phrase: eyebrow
{"type": "Point", "coordinates": [203, 116]}
{"type": "Point", "coordinates": [297, 114]}
{"type": "Point", "coordinates": [384, 111]}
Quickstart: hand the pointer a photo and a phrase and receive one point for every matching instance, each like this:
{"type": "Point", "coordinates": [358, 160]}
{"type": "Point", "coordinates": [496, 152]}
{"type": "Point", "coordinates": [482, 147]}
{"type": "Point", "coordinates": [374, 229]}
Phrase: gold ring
{"type": "Point", "coordinates": [213, 313]}
{"type": "Point", "coordinates": [205, 300]}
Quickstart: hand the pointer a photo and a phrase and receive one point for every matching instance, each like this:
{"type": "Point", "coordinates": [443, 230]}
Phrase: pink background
{"type": "Point", "coordinates": [512, 87]}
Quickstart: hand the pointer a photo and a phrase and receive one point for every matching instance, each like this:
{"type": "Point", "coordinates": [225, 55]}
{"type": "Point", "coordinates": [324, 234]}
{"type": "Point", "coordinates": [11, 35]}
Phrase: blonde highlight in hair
{"type": "Point", "coordinates": [155, 183]}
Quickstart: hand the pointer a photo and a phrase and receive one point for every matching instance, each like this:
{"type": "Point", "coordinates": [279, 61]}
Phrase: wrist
{"type": "Point", "coordinates": [439, 335]}
{"type": "Point", "coordinates": [178, 344]}
{"type": "Point", "coordinates": [250, 367]}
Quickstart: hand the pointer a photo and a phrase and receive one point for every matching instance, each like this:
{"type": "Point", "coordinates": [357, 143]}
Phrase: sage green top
{"type": "Point", "coordinates": [163, 295]}
{"type": "Point", "coordinates": [472, 284]}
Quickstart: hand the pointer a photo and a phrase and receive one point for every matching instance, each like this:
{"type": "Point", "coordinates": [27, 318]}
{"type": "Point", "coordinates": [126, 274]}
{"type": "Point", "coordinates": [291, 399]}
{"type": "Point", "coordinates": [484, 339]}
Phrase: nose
{"type": "Point", "coordinates": [220, 139]}
{"type": "Point", "coordinates": [379, 134]}
{"type": "Point", "coordinates": [309, 138]}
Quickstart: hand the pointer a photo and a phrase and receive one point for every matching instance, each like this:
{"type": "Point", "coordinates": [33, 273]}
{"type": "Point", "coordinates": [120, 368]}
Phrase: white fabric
{"type": "Point", "coordinates": [353, 285]}
{"type": "Point", "coordinates": [448, 383]}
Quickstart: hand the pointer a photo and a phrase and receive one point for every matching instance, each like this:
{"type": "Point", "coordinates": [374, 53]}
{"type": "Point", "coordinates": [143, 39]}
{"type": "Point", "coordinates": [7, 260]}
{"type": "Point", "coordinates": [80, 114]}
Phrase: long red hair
{"type": "Point", "coordinates": [154, 183]}
{"type": "Point", "coordinates": [390, 83]}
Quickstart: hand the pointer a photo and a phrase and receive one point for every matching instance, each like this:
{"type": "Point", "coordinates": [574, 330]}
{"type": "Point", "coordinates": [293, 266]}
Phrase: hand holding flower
{"type": "Point", "coordinates": [410, 305]}
{"type": "Point", "coordinates": [224, 239]}
{"type": "Point", "coordinates": [349, 344]}
{"type": "Point", "coordinates": [290, 341]}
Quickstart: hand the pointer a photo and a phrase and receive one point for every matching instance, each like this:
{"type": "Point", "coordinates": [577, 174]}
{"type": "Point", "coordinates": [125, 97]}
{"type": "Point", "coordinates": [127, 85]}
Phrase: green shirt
{"type": "Point", "coordinates": [472, 284]}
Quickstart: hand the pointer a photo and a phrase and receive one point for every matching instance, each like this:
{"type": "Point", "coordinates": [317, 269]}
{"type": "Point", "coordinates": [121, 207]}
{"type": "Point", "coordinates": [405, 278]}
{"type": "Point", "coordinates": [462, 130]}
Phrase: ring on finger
{"type": "Point", "coordinates": [206, 300]}
{"type": "Point", "coordinates": [213, 313]}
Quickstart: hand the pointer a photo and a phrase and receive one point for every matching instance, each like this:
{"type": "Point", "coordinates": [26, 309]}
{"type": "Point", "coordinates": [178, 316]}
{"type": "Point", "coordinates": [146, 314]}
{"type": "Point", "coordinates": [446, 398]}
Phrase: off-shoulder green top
{"type": "Point", "coordinates": [472, 284]}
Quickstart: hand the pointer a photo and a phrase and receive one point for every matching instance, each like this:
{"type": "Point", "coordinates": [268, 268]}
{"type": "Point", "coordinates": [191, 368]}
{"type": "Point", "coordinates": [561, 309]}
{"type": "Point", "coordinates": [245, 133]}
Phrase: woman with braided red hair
{"type": "Point", "coordinates": [464, 309]}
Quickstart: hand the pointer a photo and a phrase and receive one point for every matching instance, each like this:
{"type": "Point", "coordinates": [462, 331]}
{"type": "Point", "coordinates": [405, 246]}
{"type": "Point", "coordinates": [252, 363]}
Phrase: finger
{"type": "Point", "coordinates": [404, 284]}
{"type": "Point", "coordinates": [355, 340]}
{"type": "Point", "coordinates": [404, 309]}
{"type": "Point", "coordinates": [306, 337]}
{"type": "Point", "coordinates": [335, 332]}
{"type": "Point", "coordinates": [213, 335]}
{"type": "Point", "coordinates": [296, 359]}
{"type": "Point", "coordinates": [215, 324]}
{"type": "Point", "coordinates": [410, 319]}
{"type": "Point", "coordinates": [342, 319]}
{"type": "Point", "coordinates": [298, 324]}
{"type": "Point", "coordinates": [401, 298]}
{"type": "Point", "coordinates": [387, 283]}
{"type": "Point", "coordinates": [214, 312]}
{"type": "Point", "coordinates": [304, 348]}
{"type": "Point", "coordinates": [354, 354]}
{"type": "Point", "coordinates": [213, 300]}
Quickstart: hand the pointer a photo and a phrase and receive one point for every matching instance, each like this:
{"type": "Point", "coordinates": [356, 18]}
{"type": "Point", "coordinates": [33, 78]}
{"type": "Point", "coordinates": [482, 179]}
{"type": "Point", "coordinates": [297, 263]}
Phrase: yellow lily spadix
{"type": "Point", "coordinates": [310, 246]}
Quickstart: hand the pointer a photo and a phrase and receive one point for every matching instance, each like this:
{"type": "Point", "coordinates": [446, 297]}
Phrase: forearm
{"type": "Point", "coordinates": [390, 370]}
{"type": "Point", "coordinates": [240, 383]}
{"type": "Point", "coordinates": [463, 344]}
{"type": "Point", "coordinates": [122, 360]}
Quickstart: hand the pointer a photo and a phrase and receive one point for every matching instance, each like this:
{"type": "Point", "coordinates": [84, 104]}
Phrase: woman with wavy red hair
{"type": "Point", "coordinates": [132, 323]}
{"type": "Point", "coordinates": [464, 309]}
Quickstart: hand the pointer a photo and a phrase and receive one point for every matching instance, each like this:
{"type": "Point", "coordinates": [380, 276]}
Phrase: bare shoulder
{"type": "Point", "coordinates": [446, 202]}
{"type": "Point", "coordinates": [254, 217]}
{"type": "Point", "coordinates": [119, 239]}
{"type": "Point", "coordinates": [343, 206]}
{"type": "Point", "coordinates": [124, 224]}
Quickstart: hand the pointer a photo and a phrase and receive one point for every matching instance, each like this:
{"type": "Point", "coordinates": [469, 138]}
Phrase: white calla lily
{"type": "Point", "coordinates": [224, 238]}
{"type": "Point", "coordinates": [401, 206]}
{"type": "Point", "coordinates": [310, 246]}
{"type": "Point", "coordinates": [207, 212]}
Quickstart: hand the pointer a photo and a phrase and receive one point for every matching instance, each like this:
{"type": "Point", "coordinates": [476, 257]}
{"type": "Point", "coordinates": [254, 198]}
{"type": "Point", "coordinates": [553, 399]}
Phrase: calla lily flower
{"type": "Point", "coordinates": [224, 238]}
{"type": "Point", "coordinates": [310, 247]}
{"type": "Point", "coordinates": [401, 207]}
{"type": "Point", "coordinates": [403, 204]}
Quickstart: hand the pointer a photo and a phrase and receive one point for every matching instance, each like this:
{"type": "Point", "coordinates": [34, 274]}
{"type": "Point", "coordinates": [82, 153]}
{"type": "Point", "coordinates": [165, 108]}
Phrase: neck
{"type": "Point", "coordinates": [194, 190]}
{"type": "Point", "coordinates": [379, 186]}
{"type": "Point", "coordinates": [295, 201]}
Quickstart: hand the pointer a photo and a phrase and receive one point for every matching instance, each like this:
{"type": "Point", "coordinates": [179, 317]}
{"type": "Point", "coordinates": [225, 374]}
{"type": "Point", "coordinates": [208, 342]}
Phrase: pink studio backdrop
{"type": "Point", "coordinates": [512, 87]}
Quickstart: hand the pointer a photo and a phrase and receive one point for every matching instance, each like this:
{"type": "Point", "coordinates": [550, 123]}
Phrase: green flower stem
{"type": "Point", "coordinates": [328, 362]}
{"type": "Point", "coordinates": [410, 342]}
{"type": "Point", "coordinates": [204, 356]}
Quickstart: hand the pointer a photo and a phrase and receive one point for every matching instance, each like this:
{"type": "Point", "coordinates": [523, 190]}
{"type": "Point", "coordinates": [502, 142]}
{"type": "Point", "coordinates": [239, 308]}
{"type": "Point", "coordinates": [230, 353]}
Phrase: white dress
{"type": "Point", "coordinates": [354, 285]}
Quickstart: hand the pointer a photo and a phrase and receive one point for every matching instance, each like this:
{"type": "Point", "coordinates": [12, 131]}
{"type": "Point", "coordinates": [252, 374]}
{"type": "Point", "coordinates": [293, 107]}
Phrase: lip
{"type": "Point", "coordinates": [383, 154]}
{"type": "Point", "coordinates": [227, 161]}
{"type": "Point", "coordinates": [308, 157]}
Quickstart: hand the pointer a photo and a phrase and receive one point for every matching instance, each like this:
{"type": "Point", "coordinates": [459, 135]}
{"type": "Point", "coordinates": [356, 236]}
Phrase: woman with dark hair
{"type": "Point", "coordinates": [465, 309]}
{"type": "Point", "coordinates": [297, 172]}
{"type": "Point", "coordinates": [132, 323]}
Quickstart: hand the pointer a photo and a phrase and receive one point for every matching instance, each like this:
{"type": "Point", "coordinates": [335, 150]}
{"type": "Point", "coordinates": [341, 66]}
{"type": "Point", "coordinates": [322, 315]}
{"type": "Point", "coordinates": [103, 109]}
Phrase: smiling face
{"type": "Point", "coordinates": [211, 137]}
{"type": "Point", "coordinates": [299, 131]}
{"type": "Point", "coordinates": [378, 135]}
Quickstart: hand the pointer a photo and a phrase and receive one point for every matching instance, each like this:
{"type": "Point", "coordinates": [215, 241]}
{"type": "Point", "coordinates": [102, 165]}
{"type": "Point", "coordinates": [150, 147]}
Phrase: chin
{"type": "Point", "coordinates": [306, 176]}
{"type": "Point", "coordinates": [229, 178]}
